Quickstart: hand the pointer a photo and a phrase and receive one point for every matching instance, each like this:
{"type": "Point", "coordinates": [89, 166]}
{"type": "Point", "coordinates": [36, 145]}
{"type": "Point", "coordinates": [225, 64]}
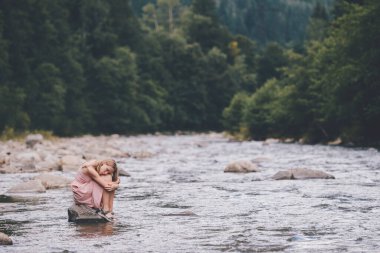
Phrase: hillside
{"type": "Point", "coordinates": [282, 21]}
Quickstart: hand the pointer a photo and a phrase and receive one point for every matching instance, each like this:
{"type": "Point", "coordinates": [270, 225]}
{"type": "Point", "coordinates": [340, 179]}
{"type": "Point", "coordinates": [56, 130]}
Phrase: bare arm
{"type": "Point", "coordinates": [96, 177]}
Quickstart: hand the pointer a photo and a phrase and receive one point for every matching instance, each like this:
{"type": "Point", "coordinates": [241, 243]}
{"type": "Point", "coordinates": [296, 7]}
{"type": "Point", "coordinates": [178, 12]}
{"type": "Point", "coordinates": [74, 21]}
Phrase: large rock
{"type": "Point", "coordinates": [241, 167]}
{"type": "Point", "coordinates": [51, 181]}
{"type": "Point", "coordinates": [25, 157]}
{"type": "Point", "coordinates": [123, 173]}
{"type": "Point", "coordinates": [71, 162]}
{"type": "Point", "coordinates": [29, 186]}
{"type": "Point", "coordinates": [82, 213]}
{"type": "Point", "coordinates": [33, 139]}
{"type": "Point", "coordinates": [5, 240]}
{"type": "Point", "coordinates": [301, 173]}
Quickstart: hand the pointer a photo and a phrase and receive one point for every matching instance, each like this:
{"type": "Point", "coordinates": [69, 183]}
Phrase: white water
{"type": "Point", "coordinates": [234, 212]}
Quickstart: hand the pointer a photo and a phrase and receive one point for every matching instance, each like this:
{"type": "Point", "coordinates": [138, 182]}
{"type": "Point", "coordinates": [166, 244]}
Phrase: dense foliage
{"type": "Point", "coordinates": [91, 66]}
{"type": "Point", "coordinates": [87, 66]}
{"type": "Point", "coordinates": [333, 90]}
{"type": "Point", "coordinates": [283, 21]}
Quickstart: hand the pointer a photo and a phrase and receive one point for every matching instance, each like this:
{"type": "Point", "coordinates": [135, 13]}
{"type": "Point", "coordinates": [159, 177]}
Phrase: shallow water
{"type": "Point", "coordinates": [232, 212]}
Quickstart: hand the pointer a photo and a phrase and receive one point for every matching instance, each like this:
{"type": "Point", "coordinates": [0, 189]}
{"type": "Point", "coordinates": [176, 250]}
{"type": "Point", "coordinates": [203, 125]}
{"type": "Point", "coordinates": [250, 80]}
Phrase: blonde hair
{"type": "Point", "coordinates": [112, 163]}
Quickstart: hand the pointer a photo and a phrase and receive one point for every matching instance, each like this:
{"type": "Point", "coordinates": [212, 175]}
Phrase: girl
{"type": "Point", "coordinates": [95, 185]}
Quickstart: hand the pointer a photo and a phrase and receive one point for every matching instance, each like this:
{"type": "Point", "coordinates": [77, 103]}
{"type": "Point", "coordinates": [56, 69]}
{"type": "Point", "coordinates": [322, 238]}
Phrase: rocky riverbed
{"type": "Point", "coordinates": [179, 198]}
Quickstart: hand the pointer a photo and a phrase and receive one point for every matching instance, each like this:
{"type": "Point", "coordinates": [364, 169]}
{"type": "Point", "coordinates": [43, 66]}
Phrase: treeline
{"type": "Point", "coordinates": [92, 66]}
{"type": "Point", "coordinates": [283, 21]}
{"type": "Point", "coordinates": [88, 66]}
{"type": "Point", "coordinates": [330, 90]}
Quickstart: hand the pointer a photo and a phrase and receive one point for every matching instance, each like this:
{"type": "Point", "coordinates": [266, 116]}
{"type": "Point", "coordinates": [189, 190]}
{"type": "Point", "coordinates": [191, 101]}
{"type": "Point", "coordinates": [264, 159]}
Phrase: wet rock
{"type": "Point", "coordinates": [27, 187]}
{"type": "Point", "coordinates": [49, 165]}
{"type": "Point", "coordinates": [336, 142]}
{"type": "Point", "coordinates": [141, 154]}
{"type": "Point", "coordinates": [123, 173]}
{"type": "Point", "coordinates": [26, 157]}
{"type": "Point", "coordinates": [301, 173]}
{"type": "Point", "coordinates": [33, 139]}
{"type": "Point", "coordinates": [4, 160]}
{"type": "Point", "coordinates": [270, 141]}
{"type": "Point", "coordinates": [241, 167]}
{"type": "Point", "coordinates": [51, 181]}
{"type": "Point", "coordinates": [5, 240]}
{"type": "Point", "coordinates": [184, 213]}
{"type": "Point", "coordinates": [261, 159]}
{"type": "Point", "coordinates": [82, 213]}
{"type": "Point", "coordinates": [71, 162]}
{"type": "Point", "coordinates": [289, 140]}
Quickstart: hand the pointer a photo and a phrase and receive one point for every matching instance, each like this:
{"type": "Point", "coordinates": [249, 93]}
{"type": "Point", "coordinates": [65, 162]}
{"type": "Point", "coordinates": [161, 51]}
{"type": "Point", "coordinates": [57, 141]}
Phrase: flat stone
{"type": "Point", "coordinates": [51, 181]}
{"type": "Point", "coordinates": [27, 187]}
{"type": "Point", "coordinates": [184, 213]}
{"type": "Point", "coordinates": [301, 173]}
{"type": "Point", "coordinates": [83, 214]}
{"type": "Point", "coordinates": [5, 240]}
{"type": "Point", "coordinates": [241, 167]}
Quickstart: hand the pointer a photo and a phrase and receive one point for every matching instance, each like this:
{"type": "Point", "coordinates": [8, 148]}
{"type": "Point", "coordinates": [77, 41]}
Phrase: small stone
{"type": "Point", "coordinates": [5, 240]}
{"type": "Point", "coordinates": [241, 167]}
{"type": "Point", "coordinates": [184, 213]}
{"type": "Point", "coordinates": [336, 142]}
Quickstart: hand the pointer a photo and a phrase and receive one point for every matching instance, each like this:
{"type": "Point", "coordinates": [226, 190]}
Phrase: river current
{"type": "Point", "coordinates": [180, 200]}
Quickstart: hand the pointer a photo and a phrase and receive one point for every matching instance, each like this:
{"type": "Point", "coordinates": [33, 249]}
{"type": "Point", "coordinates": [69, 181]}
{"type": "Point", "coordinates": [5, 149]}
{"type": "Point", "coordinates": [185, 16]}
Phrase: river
{"type": "Point", "coordinates": [231, 212]}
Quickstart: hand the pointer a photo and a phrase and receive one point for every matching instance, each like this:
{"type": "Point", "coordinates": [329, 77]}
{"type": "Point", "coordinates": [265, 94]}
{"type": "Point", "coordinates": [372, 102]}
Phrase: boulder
{"type": "Point", "coordinates": [5, 240]}
{"type": "Point", "coordinates": [33, 139]}
{"type": "Point", "coordinates": [71, 162]}
{"type": "Point", "coordinates": [301, 173]}
{"type": "Point", "coordinates": [241, 167]}
{"type": "Point", "coordinates": [123, 173]}
{"type": "Point", "coordinates": [26, 157]}
{"type": "Point", "coordinates": [83, 214]}
{"type": "Point", "coordinates": [51, 181]}
{"type": "Point", "coordinates": [29, 186]}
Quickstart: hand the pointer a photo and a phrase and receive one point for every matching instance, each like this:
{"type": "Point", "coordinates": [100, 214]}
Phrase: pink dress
{"type": "Point", "coordinates": [86, 191]}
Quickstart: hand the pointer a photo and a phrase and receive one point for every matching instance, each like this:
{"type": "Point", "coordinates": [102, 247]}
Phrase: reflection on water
{"type": "Point", "coordinates": [94, 230]}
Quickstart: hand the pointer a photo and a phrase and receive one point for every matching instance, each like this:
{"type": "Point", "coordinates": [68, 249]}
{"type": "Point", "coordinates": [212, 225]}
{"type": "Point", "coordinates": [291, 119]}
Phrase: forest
{"type": "Point", "coordinates": [128, 67]}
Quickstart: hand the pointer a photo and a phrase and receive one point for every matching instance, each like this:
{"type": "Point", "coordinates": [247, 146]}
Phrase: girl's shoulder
{"type": "Point", "coordinates": [91, 163]}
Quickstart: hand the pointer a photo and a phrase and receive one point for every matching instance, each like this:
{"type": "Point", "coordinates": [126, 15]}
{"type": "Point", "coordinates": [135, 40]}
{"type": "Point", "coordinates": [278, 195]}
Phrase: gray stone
{"type": "Point", "coordinates": [33, 139]}
{"type": "Point", "coordinates": [184, 213]}
{"type": "Point", "coordinates": [301, 173]}
{"type": "Point", "coordinates": [71, 162]}
{"type": "Point", "coordinates": [51, 181]}
{"type": "Point", "coordinates": [5, 240]}
{"type": "Point", "coordinates": [83, 214]}
{"type": "Point", "coordinates": [123, 173]}
{"type": "Point", "coordinates": [241, 167]}
{"type": "Point", "coordinates": [29, 186]}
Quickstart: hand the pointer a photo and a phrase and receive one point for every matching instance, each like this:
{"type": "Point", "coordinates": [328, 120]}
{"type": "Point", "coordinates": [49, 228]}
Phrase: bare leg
{"type": "Point", "coordinates": [112, 196]}
{"type": "Point", "coordinates": [108, 197]}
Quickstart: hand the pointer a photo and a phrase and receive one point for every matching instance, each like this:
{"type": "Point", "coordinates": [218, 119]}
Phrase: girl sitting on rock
{"type": "Point", "coordinates": [95, 185]}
